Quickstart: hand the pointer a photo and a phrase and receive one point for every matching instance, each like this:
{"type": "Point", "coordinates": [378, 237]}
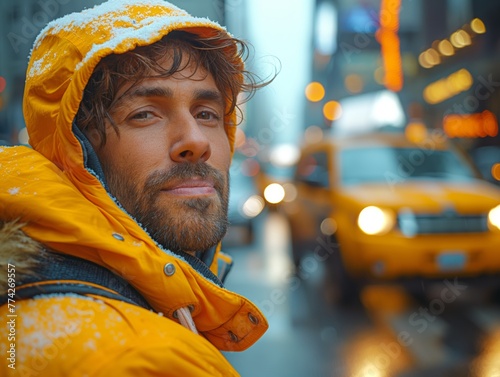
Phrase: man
{"type": "Point", "coordinates": [111, 223]}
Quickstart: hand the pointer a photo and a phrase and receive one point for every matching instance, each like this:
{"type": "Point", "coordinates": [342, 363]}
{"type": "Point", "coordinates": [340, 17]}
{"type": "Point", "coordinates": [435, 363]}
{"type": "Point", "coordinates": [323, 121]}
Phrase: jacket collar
{"type": "Point", "coordinates": [95, 228]}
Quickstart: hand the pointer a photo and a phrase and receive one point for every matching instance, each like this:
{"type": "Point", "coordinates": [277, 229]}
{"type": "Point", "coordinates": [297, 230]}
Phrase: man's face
{"type": "Point", "coordinates": [168, 167]}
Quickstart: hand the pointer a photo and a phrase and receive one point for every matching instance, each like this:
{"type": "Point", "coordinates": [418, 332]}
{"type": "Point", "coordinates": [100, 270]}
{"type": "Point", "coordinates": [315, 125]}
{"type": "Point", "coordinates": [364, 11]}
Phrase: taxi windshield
{"type": "Point", "coordinates": [380, 164]}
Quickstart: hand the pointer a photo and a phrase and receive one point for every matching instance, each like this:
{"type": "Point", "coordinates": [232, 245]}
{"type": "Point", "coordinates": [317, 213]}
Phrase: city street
{"type": "Point", "coordinates": [452, 331]}
{"type": "Point", "coordinates": [347, 141]}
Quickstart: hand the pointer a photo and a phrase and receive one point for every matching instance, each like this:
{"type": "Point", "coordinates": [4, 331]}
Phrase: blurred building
{"type": "Point", "coordinates": [437, 56]}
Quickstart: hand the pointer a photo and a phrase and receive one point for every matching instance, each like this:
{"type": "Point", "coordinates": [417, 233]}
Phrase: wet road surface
{"type": "Point", "coordinates": [454, 330]}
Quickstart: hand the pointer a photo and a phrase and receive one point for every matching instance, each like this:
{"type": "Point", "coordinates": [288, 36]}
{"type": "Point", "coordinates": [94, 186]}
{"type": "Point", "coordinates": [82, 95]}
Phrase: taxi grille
{"type": "Point", "coordinates": [412, 224]}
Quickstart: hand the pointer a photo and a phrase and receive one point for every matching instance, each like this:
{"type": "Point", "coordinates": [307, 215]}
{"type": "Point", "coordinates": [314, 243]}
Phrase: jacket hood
{"type": "Point", "coordinates": [65, 206]}
{"type": "Point", "coordinates": [67, 51]}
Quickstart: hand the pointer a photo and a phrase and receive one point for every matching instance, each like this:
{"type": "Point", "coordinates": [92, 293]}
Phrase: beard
{"type": "Point", "coordinates": [184, 224]}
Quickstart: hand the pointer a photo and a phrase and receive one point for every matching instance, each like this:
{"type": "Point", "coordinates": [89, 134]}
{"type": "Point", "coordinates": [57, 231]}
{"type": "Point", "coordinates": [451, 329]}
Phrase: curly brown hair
{"type": "Point", "coordinates": [220, 55]}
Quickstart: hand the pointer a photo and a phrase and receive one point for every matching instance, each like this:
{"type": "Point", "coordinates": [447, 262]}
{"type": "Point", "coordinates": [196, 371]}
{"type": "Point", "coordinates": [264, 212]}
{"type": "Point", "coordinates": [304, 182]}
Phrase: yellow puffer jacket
{"type": "Point", "coordinates": [65, 207]}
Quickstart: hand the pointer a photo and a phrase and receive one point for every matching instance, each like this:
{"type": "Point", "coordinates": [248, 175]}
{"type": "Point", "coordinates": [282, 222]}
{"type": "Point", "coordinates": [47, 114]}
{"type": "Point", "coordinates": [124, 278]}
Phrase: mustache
{"type": "Point", "coordinates": [183, 171]}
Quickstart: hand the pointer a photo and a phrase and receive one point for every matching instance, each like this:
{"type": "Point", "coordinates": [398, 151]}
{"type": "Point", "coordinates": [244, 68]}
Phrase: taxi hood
{"type": "Point", "coordinates": [473, 195]}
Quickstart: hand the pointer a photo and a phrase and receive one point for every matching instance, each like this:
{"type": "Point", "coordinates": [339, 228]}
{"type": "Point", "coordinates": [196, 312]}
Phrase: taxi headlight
{"type": "Point", "coordinates": [374, 220]}
{"type": "Point", "coordinates": [494, 217]}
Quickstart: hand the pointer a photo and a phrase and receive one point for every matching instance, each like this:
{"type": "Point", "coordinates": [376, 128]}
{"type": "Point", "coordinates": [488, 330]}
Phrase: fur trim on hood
{"type": "Point", "coordinates": [19, 251]}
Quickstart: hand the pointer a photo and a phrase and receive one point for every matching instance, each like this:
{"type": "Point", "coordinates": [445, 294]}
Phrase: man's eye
{"type": "Point", "coordinates": [142, 115]}
{"type": "Point", "coordinates": [208, 115]}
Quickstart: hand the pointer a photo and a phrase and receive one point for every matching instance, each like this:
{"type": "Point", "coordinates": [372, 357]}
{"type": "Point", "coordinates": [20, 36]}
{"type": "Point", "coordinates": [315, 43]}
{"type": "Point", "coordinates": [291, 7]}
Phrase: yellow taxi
{"type": "Point", "coordinates": [381, 206]}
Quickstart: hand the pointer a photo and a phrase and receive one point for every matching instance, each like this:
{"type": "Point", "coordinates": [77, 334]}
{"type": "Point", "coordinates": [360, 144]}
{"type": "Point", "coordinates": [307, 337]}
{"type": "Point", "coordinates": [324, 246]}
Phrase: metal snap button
{"type": "Point", "coordinates": [118, 236]}
{"type": "Point", "coordinates": [169, 269]}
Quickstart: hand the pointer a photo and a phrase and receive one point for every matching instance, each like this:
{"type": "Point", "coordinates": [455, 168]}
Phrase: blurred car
{"type": "Point", "coordinates": [245, 204]}
{"type": "Point", "coordinates": [380, 207]}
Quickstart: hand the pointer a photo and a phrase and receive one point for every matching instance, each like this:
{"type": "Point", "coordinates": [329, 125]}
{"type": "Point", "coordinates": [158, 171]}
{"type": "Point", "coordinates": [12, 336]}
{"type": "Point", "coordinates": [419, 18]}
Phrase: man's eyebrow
{"type": "Point", "coordinates": [209, 94]}
{"type": "Point", "coordinates": [156, 91]}
{"type": "Point", "coordinates": [142, 91]}
{"type": "Point", "coordinates": [145, 91]}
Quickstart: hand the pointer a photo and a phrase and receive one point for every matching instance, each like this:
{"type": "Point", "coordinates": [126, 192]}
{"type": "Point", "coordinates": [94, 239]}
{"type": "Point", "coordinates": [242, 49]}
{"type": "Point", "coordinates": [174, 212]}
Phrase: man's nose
{"type": "Point", "coordinates": [190, 142]}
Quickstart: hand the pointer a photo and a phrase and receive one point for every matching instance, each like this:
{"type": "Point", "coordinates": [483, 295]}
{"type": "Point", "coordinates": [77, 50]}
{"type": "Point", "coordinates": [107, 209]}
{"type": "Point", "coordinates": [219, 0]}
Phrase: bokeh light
{"type": "Point", "coordinates": [274, 193]}
{"type": "Point", "coordinates": [332, 110]}
{"type": "Point", "coordinates": [416, 132]}
{"type": "Point", "coordinates": [495, 171]}
{"type": "Point", "coordinates": [313, 134]}
{"type": "Point", "coordinates": [253, 206]}
{"type": "Point", "coordinates": [354, 83]}
{"type": "Point", "coordinates": [315, 91]}
{"type": "Point", "coordinates": [446, 48]}
{"type": "Point", "coordinates": [477, 26]}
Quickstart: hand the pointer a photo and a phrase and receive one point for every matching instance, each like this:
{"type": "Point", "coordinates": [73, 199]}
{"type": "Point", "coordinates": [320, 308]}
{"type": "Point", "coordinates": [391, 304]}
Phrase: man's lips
{"type": "Point", "coordinates": [191, 187]}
